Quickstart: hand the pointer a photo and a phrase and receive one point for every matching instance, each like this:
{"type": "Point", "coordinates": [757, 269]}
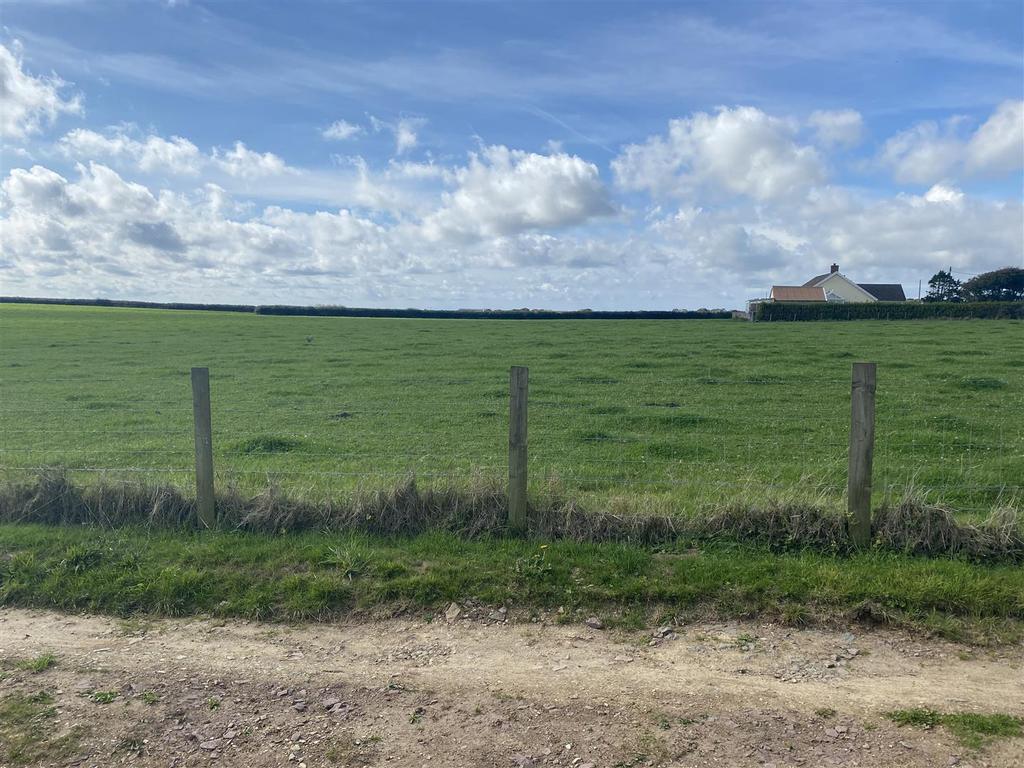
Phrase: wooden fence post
{"type": "Point", "coordinates": [204, 447]}
{"type": "Point", "coordinates": [517, 503]}
{"type": "Point", "coordinates": [862, 449]}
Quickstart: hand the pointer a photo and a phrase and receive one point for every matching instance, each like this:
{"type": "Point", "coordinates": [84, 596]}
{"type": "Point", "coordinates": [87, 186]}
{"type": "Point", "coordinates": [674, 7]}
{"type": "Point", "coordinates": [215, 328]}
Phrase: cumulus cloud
{"type": "Point", "coordinates": [30, 104]}
{"type": "Point", "coordinates": [245, 163]}
{"type": "Point", "coordinates": [740, 151]}
{"type": "Point", "coordinates": [150, 154]}
{"type": "Point", "coordinates": [997, 147]}
{"type": "Point", "coordinates": [837, 128]}
{"type": "Point", "coordinates": [941, 193]}
{"type": "Point", "coordinates": [929, 151]}
{"type": "Point", "coordinates": [341, 130]}
{"type": "Point", "coordinates": [504, 191]}
{"type": "Point", "coordinates": [100, 221]}
{"type": "Point", "coordinates": [405, 131]}
{"type": "Point", "coordinates": [923, 154]}
{"type": "Point", "coordinates": [176, 155]}
{"type": "Point", "coordinates": [100, 231]}
{"type": "Point", "coordinates": [910, 233]}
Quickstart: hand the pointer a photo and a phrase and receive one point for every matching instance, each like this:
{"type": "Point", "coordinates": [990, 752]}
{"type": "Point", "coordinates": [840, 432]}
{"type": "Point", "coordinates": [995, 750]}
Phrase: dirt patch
{"type": "Point", "coordinates": [494, 692]}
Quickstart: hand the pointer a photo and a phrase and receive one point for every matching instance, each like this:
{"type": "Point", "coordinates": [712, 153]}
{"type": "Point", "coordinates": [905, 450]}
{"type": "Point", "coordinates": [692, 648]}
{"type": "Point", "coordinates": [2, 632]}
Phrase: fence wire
{"type": "Point", "coordinates": [599, 437]}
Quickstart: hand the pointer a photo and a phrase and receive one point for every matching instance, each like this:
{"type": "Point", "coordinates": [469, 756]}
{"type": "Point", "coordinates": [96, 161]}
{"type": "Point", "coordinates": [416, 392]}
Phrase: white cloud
{"type": "Point", "coordinates": [405, 130]}
{"type": "Point", "coordinates": [740, 151]}
{"type": "Point", "coordinates": [405, 134]}
{"type": "Point", "coordinates": [929, 152]}
{"type": "Point", "coordinates": [923, 154]}
{"type": "Point", "coordinates": [245, 163]}
{"type": "Point", "coordinates": [150, 154]}
{"type": "Point", "coordinates": [940, 193]}
{"type": "Point", "coordinates": [997, 147]}
{"type": "Point", "coordinates": [912, 234]}
{"type": "Point", "coordinates": [29, 103]}
{"type": "Point", "coordinates": [102, 223]}
{"type": "Point", "coordinates": [341, 130]}
{"type": "Point", "coordinates": [837, 128]}
{"type": "Point", "coordinates": [504, 191]}
{"type": "Point", "coordinates": [103, 234]}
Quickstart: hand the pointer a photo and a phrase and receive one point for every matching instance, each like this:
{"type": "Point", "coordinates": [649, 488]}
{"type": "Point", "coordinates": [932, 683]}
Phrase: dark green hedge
{"type": "Point", "coordinates": [472, 314]}
{"type": "Point", "coordinates": [990, 310]}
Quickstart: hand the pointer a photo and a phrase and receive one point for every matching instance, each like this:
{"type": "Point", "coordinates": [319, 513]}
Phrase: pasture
{"type": "Point", "coordinates": [670, 415]}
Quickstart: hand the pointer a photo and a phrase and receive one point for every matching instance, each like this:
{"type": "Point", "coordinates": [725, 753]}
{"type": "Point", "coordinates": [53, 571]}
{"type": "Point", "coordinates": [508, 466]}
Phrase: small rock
{"type": "Point", "coordinates": [594, 623]}
{"type": "Point", "coordinates": [453, 612]}
{"type": "Point", "coordinates": [299, 706]}
{"type": "Point", "coordinates": [210, 745]}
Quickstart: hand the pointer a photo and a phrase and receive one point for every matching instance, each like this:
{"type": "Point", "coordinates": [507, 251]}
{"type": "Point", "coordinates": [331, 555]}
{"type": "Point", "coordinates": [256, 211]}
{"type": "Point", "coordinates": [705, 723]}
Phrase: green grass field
{"type": "Point", "coordinates": [669, 413]}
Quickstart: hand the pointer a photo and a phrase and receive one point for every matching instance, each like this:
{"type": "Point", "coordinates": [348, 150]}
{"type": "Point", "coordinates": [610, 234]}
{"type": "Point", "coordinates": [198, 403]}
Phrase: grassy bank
{"type": "Point", "coordinates": [320, 576]}
{"type": "Point", "coordinates": [651, 413]}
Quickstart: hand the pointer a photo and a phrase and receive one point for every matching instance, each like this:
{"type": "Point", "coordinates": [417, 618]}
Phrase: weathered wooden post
{"type": "Point", "coordinates": [862, 449]}
{"type": "Point", "coordinates": [517, 477]}
{"type": "Point", "coordinates": [204, 447]}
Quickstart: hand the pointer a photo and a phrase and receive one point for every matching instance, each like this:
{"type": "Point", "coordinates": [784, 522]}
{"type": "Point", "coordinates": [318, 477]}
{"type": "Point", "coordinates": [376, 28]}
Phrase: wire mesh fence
{"type": "Point", "coordinates": [639, 437]}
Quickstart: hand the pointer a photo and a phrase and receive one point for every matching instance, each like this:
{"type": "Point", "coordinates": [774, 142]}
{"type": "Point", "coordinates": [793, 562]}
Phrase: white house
{"type": "Point", "coordinates": [835, 286]}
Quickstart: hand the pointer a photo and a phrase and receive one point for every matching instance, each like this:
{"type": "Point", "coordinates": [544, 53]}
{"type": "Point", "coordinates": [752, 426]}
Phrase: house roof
{"type": "Point", "coordinates": [817, 279]}
{"type": "Point", "coordinates": [797, 293]}
{"type": "Point", "coordinates": [885, 291]}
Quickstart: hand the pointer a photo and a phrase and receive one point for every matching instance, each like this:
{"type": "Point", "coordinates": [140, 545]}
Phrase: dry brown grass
{"type": "Point", "coordinates": [478, 508]}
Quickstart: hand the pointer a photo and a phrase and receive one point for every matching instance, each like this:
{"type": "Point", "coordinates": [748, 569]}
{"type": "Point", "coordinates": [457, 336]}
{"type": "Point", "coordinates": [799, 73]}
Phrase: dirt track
{"type": "Point", "coordinates": [494, 693]}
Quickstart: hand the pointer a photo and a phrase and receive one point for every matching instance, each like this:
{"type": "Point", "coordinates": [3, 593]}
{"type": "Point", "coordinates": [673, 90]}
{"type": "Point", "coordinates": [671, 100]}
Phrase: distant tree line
{"type": "Point", "coordinates": [1006, 284]}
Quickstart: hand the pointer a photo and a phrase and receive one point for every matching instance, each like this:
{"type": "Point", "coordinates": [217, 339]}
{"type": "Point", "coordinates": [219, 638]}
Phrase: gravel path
{"type": "Point", "coordinates": [486, 691]}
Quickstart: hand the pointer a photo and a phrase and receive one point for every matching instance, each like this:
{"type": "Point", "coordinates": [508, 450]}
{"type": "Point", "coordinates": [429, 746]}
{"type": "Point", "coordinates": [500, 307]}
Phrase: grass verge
{"type": "Point", "coordinates": [320, 575]}
{"type": "Point", "coordinates": [973, 730]}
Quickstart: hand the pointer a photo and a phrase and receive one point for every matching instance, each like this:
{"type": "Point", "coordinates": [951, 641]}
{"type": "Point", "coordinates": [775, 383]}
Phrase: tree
{"type": "Point", "coordinates": [1006, 284]}
{"type": "Point", "coordinates": [944, 287]}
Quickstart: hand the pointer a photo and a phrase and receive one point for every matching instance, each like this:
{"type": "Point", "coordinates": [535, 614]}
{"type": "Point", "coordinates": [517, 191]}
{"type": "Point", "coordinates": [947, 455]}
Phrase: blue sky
{"type": "Point", "coordinates": [610, 155]}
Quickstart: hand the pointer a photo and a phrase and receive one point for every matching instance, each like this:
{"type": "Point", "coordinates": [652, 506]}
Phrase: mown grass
{"type": "Point", "coordinates": [972, 729]}
{"type": "Point", "coordinates": [666, 414]}
{"type": "Point", "coordinates": [315, 576]}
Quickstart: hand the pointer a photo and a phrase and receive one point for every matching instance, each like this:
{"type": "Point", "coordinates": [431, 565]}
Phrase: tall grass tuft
{"type": "Point", "coordinates": [478, 508]}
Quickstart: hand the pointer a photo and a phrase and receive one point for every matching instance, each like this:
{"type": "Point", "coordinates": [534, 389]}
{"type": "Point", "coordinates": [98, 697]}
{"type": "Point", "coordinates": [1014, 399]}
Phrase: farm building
{"type": "Point", "coordinates": [835, 286]}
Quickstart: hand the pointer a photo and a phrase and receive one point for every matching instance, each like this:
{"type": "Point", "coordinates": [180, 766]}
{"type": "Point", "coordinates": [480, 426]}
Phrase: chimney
{"type": "Point", "coordinates": [835, 268]}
